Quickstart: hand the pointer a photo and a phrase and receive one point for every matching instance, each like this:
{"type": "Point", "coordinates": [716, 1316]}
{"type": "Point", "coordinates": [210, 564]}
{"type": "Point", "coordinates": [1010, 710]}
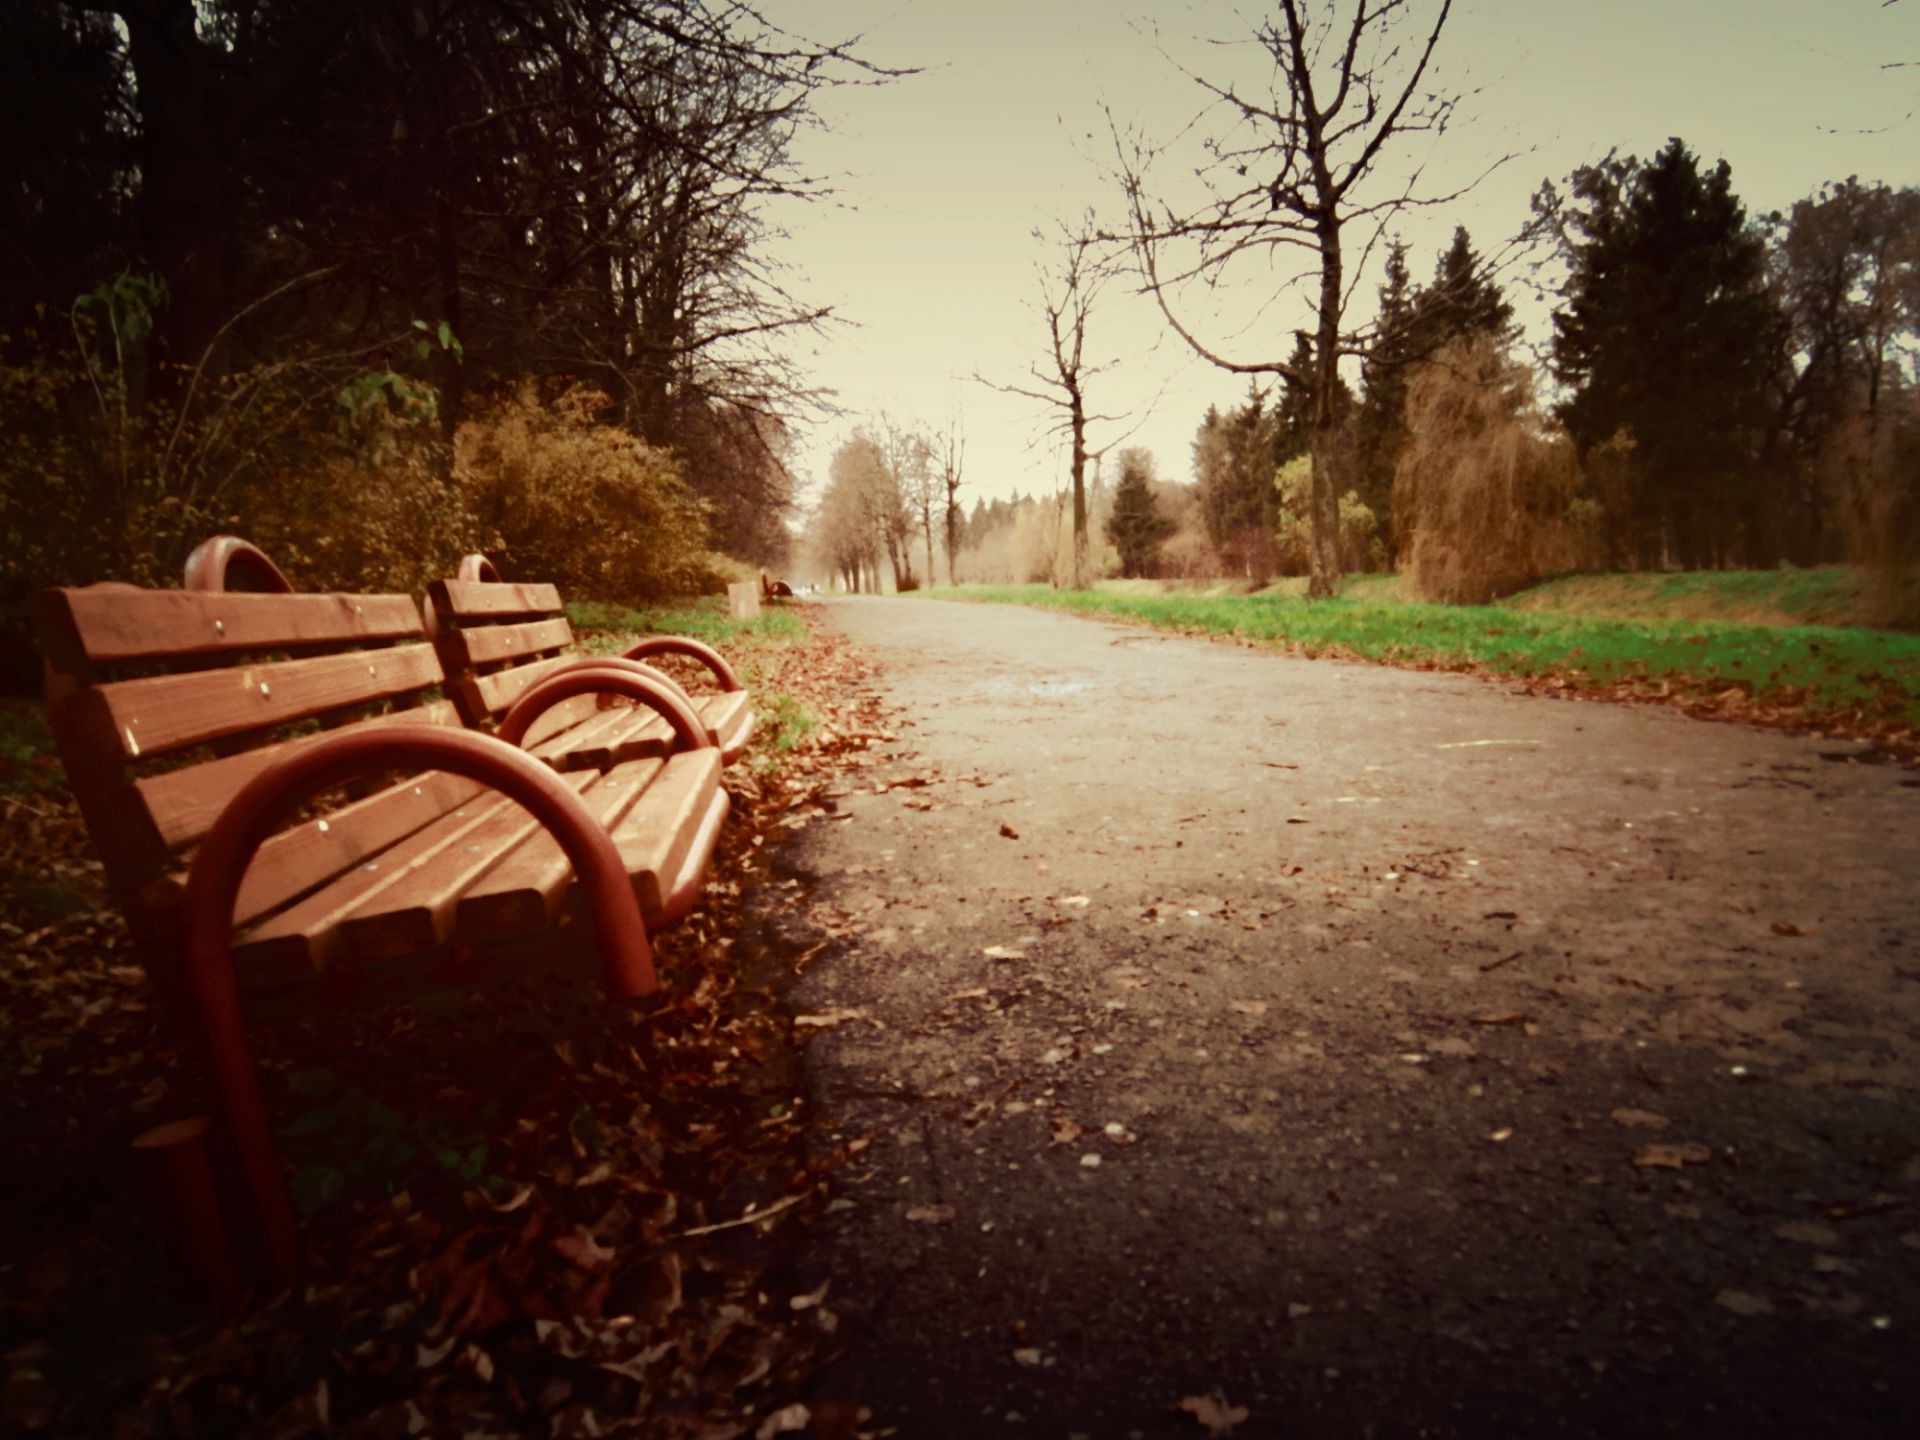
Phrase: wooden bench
{"type": "Point", "coordinates": [498, 641]}
{"type": "Point", "coordinates": [195, 724]}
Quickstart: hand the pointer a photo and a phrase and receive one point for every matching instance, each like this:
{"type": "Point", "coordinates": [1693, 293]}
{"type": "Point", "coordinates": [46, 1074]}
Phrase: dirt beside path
{"type": "Point", "coordinates": [1368, 1051]}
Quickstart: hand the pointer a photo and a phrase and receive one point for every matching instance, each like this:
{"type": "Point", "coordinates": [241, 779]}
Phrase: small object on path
{"type": "Point", "coordinates": [1008, 831]}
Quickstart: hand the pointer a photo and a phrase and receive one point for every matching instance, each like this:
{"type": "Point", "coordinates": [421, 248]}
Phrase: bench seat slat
{"type": "Point", "coordinates": [417, 916]}
{"type": "Point", "coordinates": [298, 859]}
{"type": "Point", "coordinates": [113, 624]}
{"type": "Point", "coordinates": [656, 840]}
{"type": "Point", "coordinates": [305, 938]}
{"type": "Point", "coordinates": [524, 891]}
{"type": "Point", "coordinates": [134, 718]}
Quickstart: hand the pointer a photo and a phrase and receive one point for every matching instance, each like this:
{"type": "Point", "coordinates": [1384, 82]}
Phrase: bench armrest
{"type": "Point", "coordinates": [212, 990]}
{"type": "Point", "coordinates": [222, 557]}
{"type": "Point", "coordinates": [609, 677]}
{"type": "Point", "coordinates": [697, 649]}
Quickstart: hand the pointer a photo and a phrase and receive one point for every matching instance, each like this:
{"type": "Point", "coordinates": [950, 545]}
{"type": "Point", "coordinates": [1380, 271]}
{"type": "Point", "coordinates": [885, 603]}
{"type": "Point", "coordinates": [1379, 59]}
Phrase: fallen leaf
{"type": "Point", "coordinates": [1008, 831]}
{"type": "Point", "coordinates": [1657, 1156]}
{"type": "Point", "coordinates": [1213, 1412]}
{"type": "Point", "coordinates": [1807, 1232]}
{"type": "Point", "coordinates": [826, 1020]}
{"type": "Point", "coordinates": [1066, 1131]}
{"type": "Point", "coordinates": [1781, 927]}
{"type": "Point", "coordinates": [1645, 1119]}
{"type": "Point", "coordinates": [929, 1214]}
{"type": "Point", "coordinates": [787, 1420]}
{"type": "Point", "coordinates": [811, 1298]}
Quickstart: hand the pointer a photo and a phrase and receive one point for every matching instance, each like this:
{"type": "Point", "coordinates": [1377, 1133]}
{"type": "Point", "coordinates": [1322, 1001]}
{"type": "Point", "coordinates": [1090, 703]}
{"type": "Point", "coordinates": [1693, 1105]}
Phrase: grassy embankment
{"type": "Point", "coordinates": [783, 720]}
{"type": "Point", "coordinates": [1618, 635]}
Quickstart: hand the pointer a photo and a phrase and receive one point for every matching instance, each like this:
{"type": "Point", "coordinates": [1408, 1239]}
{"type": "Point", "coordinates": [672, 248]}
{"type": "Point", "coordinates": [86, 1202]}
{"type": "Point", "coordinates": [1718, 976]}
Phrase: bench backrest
{"type": "Point", "coordinates": [165, 702]}
{"type": "Point", "coordinates": [497, 641]}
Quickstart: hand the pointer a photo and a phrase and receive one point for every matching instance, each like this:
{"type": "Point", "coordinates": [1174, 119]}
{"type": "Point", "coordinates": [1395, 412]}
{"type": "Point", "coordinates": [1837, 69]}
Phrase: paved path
{"type": "Point", "coordinates": [1381, 1052]}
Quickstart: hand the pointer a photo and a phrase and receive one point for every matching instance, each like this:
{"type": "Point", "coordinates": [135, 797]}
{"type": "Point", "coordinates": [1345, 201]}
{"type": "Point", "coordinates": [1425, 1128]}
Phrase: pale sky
{"type": "Point", "coordinates": [943, 175]}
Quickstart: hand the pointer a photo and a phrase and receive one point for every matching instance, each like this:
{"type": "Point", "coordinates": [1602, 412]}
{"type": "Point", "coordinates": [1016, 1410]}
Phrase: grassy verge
{"type": "Point", "coordinates": [706, 618]}
{"type": "Point", "coordinates": [753, 647]}
{"type": "Point", "coordinates": [1864, 680]}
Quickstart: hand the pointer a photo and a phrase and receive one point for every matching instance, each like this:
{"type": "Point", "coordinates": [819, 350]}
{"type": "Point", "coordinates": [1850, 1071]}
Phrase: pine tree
{"type": "Point", "coordinates": [1669, 335]}
{"type": "Point", "coordinates": [1463, 301]}
{"type": "Point", "coordinates": [1136, 527]}
{"type": "Point", "coordinates": [1380, 423]}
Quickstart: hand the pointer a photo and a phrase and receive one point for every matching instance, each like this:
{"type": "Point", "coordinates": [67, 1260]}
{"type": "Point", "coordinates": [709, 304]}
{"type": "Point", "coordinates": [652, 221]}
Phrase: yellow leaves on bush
{"type": "Point", "coordinates": [588, 506]}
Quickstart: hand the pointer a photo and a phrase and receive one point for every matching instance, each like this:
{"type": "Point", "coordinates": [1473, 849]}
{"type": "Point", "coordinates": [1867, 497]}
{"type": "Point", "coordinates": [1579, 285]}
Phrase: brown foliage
{"type": "Point", "coordinates": [1488, 491]}
{"type": "Point", "coordinates": [600, 513]}
{"type": "Point", "coordinates": [1873, 465]}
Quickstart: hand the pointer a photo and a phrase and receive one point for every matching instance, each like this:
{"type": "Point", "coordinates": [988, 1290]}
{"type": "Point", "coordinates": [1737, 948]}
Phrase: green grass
{"type": "Point", "coordinates": [783, 720]}
{"type": "Point", "coordinates": [1869, 676]}
{"type": "Point", "coordinates": [702, 619]}
{"type": "Point", "coordinates": [28, 765]}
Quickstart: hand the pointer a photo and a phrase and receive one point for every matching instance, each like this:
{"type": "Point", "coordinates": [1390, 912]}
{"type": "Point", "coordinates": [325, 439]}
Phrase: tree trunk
{"type": "Point", "coordinates": [1079, 492]}
{"type": "Point", "coordinates": [1323, 500]}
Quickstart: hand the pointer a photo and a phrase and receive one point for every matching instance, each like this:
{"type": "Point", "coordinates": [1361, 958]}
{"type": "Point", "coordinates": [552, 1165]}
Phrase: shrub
{"type": "Point", "coordinates": [1484, 491]}
{"type": "Point", "coordinates": [1359, 542]}
{"type": "Point", "coordinates": [598, 512]}
{"type": "Point", "coordinates": [1874, 463]}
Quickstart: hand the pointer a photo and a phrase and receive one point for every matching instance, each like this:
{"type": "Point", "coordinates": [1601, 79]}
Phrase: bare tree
{"type": "Point", "coordinates": [1282, 176]}
{"type": "Point", "coordinates": [950, 454]}
{"type": "Point", "coordinates": [1069, 287]}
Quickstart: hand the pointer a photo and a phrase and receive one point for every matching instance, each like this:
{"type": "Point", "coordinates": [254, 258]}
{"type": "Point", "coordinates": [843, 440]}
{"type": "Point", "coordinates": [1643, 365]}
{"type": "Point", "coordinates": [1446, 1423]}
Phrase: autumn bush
{"type": "Point", "coordinates": [1360, 545]}
{"type": "Point", "coordinates": [1873, 464]}
{"type": "Point", "coordinates": [590, 508]}
{"type": "Point", "coordinates": [1486, 494]}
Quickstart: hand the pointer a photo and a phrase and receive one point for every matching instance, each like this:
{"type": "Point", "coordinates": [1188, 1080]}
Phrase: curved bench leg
{"type": "Point", "coordinates": [214, 883]}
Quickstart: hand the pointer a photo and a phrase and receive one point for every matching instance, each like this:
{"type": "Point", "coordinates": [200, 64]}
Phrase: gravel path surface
{"type": "Point", "coordinates": [1370, 1051]}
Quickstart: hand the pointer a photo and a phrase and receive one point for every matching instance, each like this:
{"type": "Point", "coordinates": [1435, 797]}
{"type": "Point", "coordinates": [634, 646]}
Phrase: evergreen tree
{"type": "Point", "coordinates": [1380, 423]}
{"type": "Point", "coordinates": [1668, 335]}
{"type": "Point", "coordinates": [1463, 301]}
{"type": "Point", "coordinates": [1136, 527]}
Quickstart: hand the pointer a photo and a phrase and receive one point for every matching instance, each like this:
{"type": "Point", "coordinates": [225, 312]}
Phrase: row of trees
{"type": "Point", "coordinates": [1726, 390]}
{"type": "Point", "coordinates": [1729, 391]}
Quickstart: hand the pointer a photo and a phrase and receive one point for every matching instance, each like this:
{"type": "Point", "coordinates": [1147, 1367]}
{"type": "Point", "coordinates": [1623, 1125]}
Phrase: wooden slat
{"type": "Point", "coordinates": [523, 892]}
{"type": "Point", "coordinates": [488, 695]}
{"type": "Point", "coordinates": [658, 832]}
{"type": "Point", "coordinates": [148, 717]}
{"type": "Point", "coordinates": [477, 599]}
{"type": "Point", "coordinates": [415, 917]}
{"type": "Point", "coordinates": [494, 644]}
{"type": "Point", "coordinates": [306, 937]}
{"type": "Point", "coordinates": [181, 806]}
{"type": "Point", "coordinates": [641, 734]}
{"type": "Point", "coordinates": [725, 715]}
{"type": "Point", "coordinates": [112, 624]}
{"type": "Point", "coordinates": [302, 857]}
{"type": "Point", "coordinates": [590, 737]}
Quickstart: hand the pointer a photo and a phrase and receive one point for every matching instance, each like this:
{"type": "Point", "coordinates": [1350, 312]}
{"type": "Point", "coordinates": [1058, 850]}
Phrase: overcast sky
{"type": "Point", "coordinates": [944, 175]}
